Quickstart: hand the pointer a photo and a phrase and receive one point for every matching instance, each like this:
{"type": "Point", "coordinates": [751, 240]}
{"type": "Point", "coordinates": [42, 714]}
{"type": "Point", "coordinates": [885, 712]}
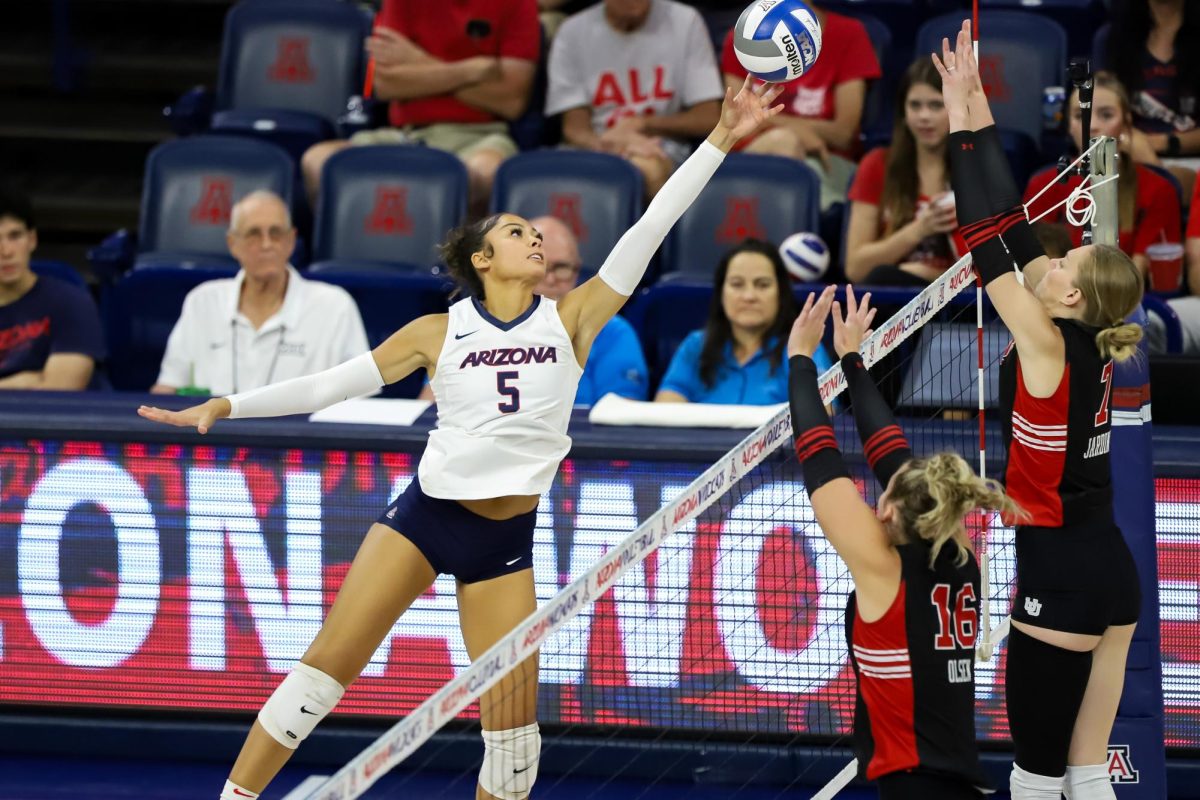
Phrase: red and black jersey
{"type": "Point", "coordinates": [1058, 468]}
{"type": "Point", "coordinates": [915, 667]}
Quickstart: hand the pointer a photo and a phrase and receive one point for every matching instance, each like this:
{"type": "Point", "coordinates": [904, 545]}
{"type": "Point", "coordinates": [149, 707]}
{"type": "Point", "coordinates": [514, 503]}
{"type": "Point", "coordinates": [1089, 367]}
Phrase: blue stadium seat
{"type": "Point", "coordinates": [1100, 48]}
{"type": "Point", "coordinates": [189, 189]}
{"type": "Point", "coordinates": [879, 107]}
{"type": "Point", "coordinates": [1021, 53]}
{"type": "Point", "coordinates": [750, 196]}
{"type": "Point", "coordinates": [60, 270]}
{"type": "Point", "coordinates": [1078, 18]}
{"type": "Point", "coordinates": [139, 312]}
{"type": "Point", "coordinates": [387, 302]}
{"type": "Point", "coordinates": [598, 195]}
{"type": "Point", "coordinates": [389, 205]}
{"type": "Point", "coordinates": [944, 371]}
{"type": "Point", "coordinates": [664, 315]}
{"type": "Point", "coordinates": [1159, 307]}
{"type": "Point", "coordinates": [288, 67]}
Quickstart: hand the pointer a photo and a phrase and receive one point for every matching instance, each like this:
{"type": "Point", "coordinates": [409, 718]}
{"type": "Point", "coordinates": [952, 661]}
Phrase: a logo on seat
{"type": "Point", "coordinates": [1033, 607]}
{"type": "Point", "coordinates": [568, 207]}
{"type": "Point", "coordinates": [741, 221]}
{"type": "Point", "coordinates": [291, 61]}
{"type": "Point", "coordinates": [216, 199]}
{"type": "Point", "coordinates": [991, 75]}
{"type": "Point", "coordinates": [390, 216]}
{"type": "Point", "coordinates": [1120, 764]}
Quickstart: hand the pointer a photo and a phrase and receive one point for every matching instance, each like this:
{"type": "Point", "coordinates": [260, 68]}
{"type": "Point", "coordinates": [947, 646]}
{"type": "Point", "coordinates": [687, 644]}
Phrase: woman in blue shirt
{"type": "Point", "coordinates": [738, 358]}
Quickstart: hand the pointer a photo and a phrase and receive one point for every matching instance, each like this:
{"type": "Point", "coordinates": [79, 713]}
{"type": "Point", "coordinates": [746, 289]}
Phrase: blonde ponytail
{"type": "Point", "coordinates": [1119, 342]}
{"type": "Point", "coordinates": [933, 494]}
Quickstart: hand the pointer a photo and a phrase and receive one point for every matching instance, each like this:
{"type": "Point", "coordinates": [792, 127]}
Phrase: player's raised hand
{"type": "Point", "coordinates": [960, 76]}
{"type": "Point", "coordinates": [850, 331]}
{"type": "Point", "coordinates": [809, 326]}
{"type": "Point", "coordinates": [744, 112]}
{"type": "Point", "coordinates": [201, 417]}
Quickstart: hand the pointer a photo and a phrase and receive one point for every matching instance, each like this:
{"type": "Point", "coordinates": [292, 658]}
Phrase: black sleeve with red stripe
{"type": "Point", "coordinates": [977, 221]}
{"type": "Point", "coordinates": [884, 444]}
{"type": "Point", "coordinates": [816, 446]}
{"type": "Point", "coordinates": [1005, 198]}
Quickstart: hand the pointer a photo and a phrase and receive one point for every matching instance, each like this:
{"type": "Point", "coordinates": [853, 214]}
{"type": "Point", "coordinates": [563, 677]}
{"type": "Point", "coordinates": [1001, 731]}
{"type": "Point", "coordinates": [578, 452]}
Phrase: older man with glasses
{"type": "Point", "coordinates": [264, 325]}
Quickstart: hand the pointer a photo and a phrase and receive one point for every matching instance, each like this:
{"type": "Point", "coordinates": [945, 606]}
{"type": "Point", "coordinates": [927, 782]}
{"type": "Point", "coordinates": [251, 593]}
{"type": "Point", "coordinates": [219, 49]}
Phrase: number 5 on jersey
{"type": "Point", "coordinates": [511, 392]}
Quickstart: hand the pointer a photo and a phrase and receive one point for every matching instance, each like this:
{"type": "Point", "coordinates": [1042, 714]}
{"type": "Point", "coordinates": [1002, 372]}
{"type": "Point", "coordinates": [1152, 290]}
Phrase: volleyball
{"type": "Point", "coordinates": [777, 40]}
{"type": "Point", "coordinates": [806, 256]}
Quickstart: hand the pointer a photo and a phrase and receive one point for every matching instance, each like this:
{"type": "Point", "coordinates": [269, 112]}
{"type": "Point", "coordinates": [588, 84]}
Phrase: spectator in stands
{"type": "Point", "coordinates": [454, 74]}
{"type": "Point", "coordinates": [1152, 49]}
{"type": "Point", "coordinates": [636, 78]}
{"type": "Point", "coordinates": [902, 229]}
{"type": "Point", "coordinates": [739, 355]}
{"type": "Point", "coordinates": [616, 363]}
{"type": "Point", "coordinates": [50, 335]}
{"type": "Point", "coordinates": [822, 109]}
{"type": "Point", "coordinates": [265, 325]}
{"type": "Point", "coordinates": [1187, 308]}
{"type": "Point", "coordinates": [1148, 203]}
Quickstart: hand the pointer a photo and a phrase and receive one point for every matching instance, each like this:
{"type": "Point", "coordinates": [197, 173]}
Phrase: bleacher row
{"type": "Point", "coordinates": [382, 209]}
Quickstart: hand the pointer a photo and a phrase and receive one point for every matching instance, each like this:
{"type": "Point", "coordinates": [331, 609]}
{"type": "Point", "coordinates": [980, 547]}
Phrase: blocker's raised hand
{"type": "Point", "coordinates": [850, 331]}
{"type": "Point", "coordinates": [809, 326]}
{"type": "Point", "coordinates": [201, 417]}
{"type": "Point", "coordinates": [742, 113]}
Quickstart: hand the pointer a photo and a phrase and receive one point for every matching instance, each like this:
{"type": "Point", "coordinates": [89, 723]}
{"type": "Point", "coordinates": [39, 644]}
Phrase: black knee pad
{"type": "Point", "coordinates": [1044, 685]}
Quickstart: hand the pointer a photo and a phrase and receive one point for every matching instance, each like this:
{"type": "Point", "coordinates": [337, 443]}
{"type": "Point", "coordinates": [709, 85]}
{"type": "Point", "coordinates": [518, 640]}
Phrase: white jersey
{"type": "Point", "coordinates": [504, 394]}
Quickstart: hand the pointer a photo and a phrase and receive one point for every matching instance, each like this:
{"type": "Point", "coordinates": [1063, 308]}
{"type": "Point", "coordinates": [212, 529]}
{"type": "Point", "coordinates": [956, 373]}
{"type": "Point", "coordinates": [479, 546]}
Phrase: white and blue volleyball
{"type": "Point", "coordinates": [806, 256]}
{"type": "Point", "coordinates": [777, 40]}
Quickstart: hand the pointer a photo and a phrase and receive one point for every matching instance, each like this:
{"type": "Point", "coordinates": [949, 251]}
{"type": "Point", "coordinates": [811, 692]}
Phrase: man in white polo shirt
{"type": "Point", "coordinates": [265, 325]}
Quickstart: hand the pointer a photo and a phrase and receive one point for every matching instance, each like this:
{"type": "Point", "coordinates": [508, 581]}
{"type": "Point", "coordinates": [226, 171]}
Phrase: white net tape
{"type": "Point", "coordinates": [410, 733]}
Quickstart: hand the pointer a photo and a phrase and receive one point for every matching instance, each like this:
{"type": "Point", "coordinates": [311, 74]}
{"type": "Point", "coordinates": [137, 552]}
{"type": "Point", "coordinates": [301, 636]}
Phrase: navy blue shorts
{"type": "Point", "coordinates": [459, 542]}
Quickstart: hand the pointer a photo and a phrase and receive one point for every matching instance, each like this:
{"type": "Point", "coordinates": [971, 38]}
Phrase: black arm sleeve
{"type": "Point", "coordinates": [884, 444]}
{"type": "Point", "coordinates": [1005, 198]}
{"type": "Point", "coordinates": [976, 220]}
{"type": "Point", "coordinates": [816, 446]}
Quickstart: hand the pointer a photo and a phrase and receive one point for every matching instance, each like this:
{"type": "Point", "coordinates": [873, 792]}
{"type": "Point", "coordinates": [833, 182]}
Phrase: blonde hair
{"type": "Point", "coordinates": [1112, 286]}
{"type": "Point", "coordinates": [933, 494]}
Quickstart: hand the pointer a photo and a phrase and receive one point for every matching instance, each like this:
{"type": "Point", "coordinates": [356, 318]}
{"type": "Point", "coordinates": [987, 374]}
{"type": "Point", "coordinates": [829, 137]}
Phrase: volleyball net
{"type": "Point", "coordinates": [721, 614]}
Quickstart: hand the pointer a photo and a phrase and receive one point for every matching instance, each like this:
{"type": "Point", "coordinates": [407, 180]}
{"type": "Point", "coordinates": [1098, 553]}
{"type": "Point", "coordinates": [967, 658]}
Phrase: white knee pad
{"type": "Point", "coordinates": [298, 704]}
{"type": "Point", "coordinates": [510, 762]}
{"type": "Point", "coordinates": [1028, 786]}
{"type": "Point", "coordinates": [1089, 783]}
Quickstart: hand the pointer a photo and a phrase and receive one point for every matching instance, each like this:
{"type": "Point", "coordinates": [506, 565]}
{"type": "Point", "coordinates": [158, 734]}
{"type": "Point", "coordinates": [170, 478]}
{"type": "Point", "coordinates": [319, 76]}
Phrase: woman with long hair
{"type": "Point", "coordinates": [1151, 46]}
{"type": "Point", "coordinates": [913, 617]}
{"type": "Point", "coordinates": [738, 357]}
{"type": "Point", "coordinates": [1147, 203]}
{"type": "Point", "coordinates": [504, 364]}
{"type": "Point", "coordinates": [902, 228]}
{"type": "Point", "coordinates": [1078, 597]}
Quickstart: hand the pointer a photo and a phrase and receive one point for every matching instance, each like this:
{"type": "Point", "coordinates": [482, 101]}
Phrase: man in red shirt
{"type": "Point", "coordinates": [454, 72]}
{"type": "Point", "coordinates": [822, 109]}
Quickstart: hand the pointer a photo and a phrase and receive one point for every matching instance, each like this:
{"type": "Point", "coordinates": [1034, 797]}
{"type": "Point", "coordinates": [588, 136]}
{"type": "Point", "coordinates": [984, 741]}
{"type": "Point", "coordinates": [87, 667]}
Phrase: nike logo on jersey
{"type": "Point", "coordinates": [304, 710]}
{"type": "Point", "coordinates": [510, 563]}
{"type": "Point", "coordinates": [464, 335]}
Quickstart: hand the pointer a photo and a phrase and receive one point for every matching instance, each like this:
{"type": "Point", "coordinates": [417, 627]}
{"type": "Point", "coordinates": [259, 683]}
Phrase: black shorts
{"type": "Point", "coordinates": [925, 786]}
{"type": "Point", "coordinates": [459, 542]}
{"type": "Point", "coordinates": [1078, 579]}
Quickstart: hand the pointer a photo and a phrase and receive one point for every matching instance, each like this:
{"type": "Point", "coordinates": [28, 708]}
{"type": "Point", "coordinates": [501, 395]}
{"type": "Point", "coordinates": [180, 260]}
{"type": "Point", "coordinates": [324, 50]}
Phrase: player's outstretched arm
{"type": "Point", "coordinates": [587, 308]}
{"type": "Point", "coordinates": [884, 443]}
{"type": "Point", "coordinates": [846, 520]}
{"type": "Point", "coordinates": [415, 345]}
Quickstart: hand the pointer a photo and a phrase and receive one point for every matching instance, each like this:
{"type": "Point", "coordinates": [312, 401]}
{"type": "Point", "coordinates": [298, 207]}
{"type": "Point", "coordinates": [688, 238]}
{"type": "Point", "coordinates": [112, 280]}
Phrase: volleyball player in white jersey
{"type": "Point", "coordinates": [504, 365]}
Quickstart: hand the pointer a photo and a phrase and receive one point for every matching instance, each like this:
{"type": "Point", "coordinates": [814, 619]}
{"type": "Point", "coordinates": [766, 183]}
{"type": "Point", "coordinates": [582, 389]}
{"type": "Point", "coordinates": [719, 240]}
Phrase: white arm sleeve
{"type": "Point", "coordinates": [626, 264]}
{"type": "Point", "coordinates": [353, 378]}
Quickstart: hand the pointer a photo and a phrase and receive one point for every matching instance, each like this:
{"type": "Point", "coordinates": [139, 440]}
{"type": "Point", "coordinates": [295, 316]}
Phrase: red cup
{"type": "Point", "coordinates": [1166, 266]}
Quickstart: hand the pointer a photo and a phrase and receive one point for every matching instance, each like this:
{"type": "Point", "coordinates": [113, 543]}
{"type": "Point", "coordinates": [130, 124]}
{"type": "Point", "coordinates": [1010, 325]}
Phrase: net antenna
{"type": "Point", "coordinates": [1080, 72]}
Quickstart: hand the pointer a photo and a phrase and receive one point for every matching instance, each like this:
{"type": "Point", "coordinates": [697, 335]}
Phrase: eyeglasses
{"type": "Point", "coordinates": [275, 233]}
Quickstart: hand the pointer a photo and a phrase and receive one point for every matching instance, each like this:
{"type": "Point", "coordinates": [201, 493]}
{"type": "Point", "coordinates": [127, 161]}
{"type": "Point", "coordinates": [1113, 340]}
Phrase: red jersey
{"type": "Point", "coordinates": [1058, 466]}
{"type": "Point", "coordinates": [454, 30]}
{"type": "Point", "coordinates": [1193, 226]}
{"type": "Point", "coordinates": [915, 708]}
{"type": "Point", "coordinates": [1156, 210]}
{"type": "Point", "coordinates": [939, 251]}
{"type": "Point", "coordinates": [846, 55]}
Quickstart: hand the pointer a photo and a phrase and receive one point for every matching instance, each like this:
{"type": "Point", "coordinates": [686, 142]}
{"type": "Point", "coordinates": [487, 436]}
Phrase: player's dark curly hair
{"type": "Point", "coordinates": [460, 244]}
